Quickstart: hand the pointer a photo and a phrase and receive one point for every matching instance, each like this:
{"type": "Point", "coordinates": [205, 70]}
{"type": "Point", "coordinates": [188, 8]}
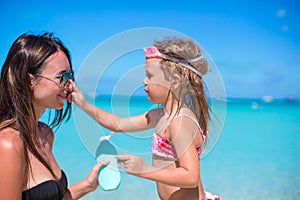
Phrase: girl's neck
{"type": "Point", "coordinates": [171, 107]}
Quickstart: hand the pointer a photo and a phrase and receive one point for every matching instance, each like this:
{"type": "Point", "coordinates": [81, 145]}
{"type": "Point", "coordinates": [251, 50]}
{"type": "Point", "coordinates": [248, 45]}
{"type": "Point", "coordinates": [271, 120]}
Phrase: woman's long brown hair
{"type": "Point", "coordinates": [27, 56]}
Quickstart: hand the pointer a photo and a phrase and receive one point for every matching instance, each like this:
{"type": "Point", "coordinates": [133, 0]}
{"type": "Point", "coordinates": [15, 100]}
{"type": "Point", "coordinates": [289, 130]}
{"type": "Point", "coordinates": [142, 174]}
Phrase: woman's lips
{"type": "Point", "coordinates": [64, 96]}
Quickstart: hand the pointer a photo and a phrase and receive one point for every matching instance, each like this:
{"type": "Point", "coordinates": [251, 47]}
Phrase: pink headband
{"type": "Point", "coordinates": [152, 52]}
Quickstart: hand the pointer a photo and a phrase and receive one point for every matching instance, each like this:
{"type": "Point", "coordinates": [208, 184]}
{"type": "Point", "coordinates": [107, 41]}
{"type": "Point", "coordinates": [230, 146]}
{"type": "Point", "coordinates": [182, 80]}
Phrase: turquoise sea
{"type": "Point", "coordinates": [257, 156]}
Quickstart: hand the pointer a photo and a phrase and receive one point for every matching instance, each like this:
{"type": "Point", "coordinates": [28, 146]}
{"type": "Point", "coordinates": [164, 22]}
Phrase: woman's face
{"type": "Point", "coordinates": [48, 93]}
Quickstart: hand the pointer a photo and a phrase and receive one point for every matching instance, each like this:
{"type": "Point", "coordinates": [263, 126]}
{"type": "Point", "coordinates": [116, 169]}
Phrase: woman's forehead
{"type": "Point", "coordinates": [57, 62]}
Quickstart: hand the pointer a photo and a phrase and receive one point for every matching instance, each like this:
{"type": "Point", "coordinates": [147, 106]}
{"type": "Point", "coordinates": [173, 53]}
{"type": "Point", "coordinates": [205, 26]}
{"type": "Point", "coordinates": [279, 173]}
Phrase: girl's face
{"type": "Point", "coordinates": [48, 93]}
{"type": "Point", "coordinates": [156, 86]}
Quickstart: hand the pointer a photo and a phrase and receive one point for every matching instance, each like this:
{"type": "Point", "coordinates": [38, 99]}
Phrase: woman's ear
{"type": "Point", "coordinates": [32, 80]}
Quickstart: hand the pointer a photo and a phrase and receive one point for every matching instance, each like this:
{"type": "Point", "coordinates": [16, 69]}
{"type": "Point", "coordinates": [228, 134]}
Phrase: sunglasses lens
{"type": "Point", "coordinates": [65, 77]}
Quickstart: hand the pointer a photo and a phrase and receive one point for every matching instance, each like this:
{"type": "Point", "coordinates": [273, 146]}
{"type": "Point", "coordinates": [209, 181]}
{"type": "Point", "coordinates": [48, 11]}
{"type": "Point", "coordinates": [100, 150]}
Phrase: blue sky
{"type": "Point", "coordinates": [254, 44]}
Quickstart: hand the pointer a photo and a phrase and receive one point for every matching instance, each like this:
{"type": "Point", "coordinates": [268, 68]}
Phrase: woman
{"type": "Point", "coordinates": [35, 76]}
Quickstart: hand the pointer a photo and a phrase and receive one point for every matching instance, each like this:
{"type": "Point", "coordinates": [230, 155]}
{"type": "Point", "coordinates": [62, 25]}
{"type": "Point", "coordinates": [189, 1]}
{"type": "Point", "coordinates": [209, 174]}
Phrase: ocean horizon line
{"type": "Point", "coordinates": [260, 100]}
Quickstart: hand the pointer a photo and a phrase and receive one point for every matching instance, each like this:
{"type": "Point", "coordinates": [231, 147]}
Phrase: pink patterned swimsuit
{"type": "Point", "coordinates": [164, 148]}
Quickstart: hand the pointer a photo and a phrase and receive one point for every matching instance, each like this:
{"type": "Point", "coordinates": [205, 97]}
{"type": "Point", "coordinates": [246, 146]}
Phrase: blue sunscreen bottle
{"type": "Point", "coordinates": [109, 177]}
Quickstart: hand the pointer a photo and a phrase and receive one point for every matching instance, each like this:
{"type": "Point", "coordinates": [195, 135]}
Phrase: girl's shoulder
{"type": "Point", "coordinates": [186, 112]}
{"type": "Point", "coordinates": [156, 111]}
{"type": "Point", "coordinates": [185, 121]}
{"type": "Point", "coordinates": [155, 114]}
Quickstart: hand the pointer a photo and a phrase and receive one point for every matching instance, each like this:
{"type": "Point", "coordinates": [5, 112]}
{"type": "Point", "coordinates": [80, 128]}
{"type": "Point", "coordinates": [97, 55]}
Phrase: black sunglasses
{"type": "Point", "coordinates": [63, 78]}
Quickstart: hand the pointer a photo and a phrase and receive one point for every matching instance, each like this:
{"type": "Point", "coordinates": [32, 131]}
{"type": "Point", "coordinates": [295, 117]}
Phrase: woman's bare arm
{"type": "Point", "coordinates": [12, 165]}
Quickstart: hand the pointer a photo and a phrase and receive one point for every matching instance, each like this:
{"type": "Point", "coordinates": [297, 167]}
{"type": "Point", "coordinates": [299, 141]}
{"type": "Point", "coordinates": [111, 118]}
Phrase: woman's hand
{"type": "Point", "coordinates": [87, 185]}
{"type": "Point", "coordinates": [92, 178]}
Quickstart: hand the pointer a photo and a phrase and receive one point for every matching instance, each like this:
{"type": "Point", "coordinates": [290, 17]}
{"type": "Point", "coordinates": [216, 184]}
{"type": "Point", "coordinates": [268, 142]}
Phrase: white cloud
{"type": "Point", "coordinates": [281, 13]}
{"type": "Point", "coordinates": [285, 28]}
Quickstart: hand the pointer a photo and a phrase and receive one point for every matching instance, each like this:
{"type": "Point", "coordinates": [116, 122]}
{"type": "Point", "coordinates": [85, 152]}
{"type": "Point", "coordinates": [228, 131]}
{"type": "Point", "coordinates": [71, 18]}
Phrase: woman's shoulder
{"type": "Point", "coordinates": [44, 127]}
{"type": "Point", "coordinates": [13, 161]}
{"type": "Point", "coordinates": [10, 141]}
{"type": "Point", "coordinates": [47, 131]}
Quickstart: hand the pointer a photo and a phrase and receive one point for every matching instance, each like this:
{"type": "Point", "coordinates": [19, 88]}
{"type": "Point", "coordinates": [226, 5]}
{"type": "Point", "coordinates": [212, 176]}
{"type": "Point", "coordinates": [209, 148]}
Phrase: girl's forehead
{"type": "Point", "coordinates": [152, 61]}
{"type": "Point", "coordinates": [152, 64]}
{"type": "Point", "coordinates": [153, 68]}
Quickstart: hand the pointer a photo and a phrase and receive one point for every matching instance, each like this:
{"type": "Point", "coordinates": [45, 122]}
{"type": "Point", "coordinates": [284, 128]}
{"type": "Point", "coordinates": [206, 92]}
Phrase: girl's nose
{"type": "Point", "coordinates": [144, 81]}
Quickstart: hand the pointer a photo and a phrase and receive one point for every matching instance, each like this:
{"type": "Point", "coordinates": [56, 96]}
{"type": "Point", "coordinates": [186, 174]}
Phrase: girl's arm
{"type": "Point", "coordinates": [111, 121]}
{"type": "Point", "coordinates": [177, 177]}
{"type": "Point", "coordinates": [187, 175]}
{"type": "Point", "coordinates": [12, 165]}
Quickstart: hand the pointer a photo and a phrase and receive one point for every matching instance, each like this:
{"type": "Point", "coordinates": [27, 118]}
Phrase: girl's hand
{"type": "Point", "coordinates": [76, 96]}
{"type": "Point", "coordinates": [132, 164]}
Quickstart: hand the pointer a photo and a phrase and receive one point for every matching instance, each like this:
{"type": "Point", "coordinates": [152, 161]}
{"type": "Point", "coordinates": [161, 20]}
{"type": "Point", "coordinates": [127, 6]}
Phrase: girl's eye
{"type": "Point", "coordinates": [148, 75]}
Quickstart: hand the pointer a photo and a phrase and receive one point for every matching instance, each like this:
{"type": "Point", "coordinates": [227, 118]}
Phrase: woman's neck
{"type": "Point", "coordinates": [38, 112]}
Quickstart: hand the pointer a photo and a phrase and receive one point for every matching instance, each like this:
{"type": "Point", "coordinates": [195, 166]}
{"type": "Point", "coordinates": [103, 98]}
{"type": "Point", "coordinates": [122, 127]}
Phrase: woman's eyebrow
{"type": "Point", "coordinates": [63, 71]}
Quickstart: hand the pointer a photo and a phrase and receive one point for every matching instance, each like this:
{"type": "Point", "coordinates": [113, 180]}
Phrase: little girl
{"type": "Point", "coordinates": [174, 69]}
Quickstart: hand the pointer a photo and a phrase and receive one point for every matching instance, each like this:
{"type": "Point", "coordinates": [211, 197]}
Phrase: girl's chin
{"type": "Point", "coordinates": [152, 101]}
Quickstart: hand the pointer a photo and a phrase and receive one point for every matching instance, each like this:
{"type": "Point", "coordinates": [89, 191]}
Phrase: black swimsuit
{"type": "Point", "coordinates": [48, 190]}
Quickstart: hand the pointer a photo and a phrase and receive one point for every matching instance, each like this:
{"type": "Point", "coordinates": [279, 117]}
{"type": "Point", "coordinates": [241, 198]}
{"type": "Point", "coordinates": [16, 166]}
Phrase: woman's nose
{"type": "Point", "coordinates": [68, 87]}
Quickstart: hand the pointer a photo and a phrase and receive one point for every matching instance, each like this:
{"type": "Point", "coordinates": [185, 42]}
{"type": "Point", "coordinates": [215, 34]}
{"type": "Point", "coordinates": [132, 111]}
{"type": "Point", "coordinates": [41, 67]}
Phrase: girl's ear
{"type": "Point", "coordinates": [176, 81]}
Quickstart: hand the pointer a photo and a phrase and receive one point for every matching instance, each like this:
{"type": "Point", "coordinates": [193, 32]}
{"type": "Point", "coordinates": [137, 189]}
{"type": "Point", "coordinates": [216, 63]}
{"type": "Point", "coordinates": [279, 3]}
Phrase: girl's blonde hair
{"type": "Point", "coordinates": [191, 91]}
